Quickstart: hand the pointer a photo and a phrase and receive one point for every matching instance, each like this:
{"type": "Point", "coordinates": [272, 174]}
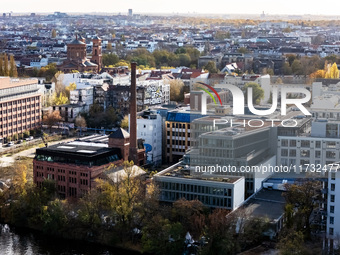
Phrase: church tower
{"type": "Point", "coordinates": [97, 52]}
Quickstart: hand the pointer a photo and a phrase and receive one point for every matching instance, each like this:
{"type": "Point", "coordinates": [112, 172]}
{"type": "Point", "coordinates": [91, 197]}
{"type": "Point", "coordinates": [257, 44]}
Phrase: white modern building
{"type": "Point", "coordinates": [214, 191]}
{"type": "Point", "coordinates": [149, 128]}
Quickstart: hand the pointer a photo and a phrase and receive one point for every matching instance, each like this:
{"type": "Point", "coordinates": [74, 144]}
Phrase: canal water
{"type": "Point", "coordinates": [19, 241]}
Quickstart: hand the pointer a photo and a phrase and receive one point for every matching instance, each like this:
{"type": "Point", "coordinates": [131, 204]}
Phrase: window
{"type": "Point", "coordinates": [333, 176]}
{"type": "Point", "coordinates": [292, 143]}
{"type": "Point", "coordinates": [331, 220]}
{"type": "Point", "coordinates": [331, 231]}
{"type": "Point", "coordinates": [332, 198]}
{"type": "Point", "coordinates": [318, 144]}
{"type": "Point", "coordinates": [317, 154]}
{"type": "Point", "coordinates": [331, 209]}
{"type": "Point", "coordinates": [332, 187]}
{"type": "Point", "coordinates": [330, 154]}
{"type": "Point", "coordinates": [305, 144]}
{"type": "Point", "coordinates": [304, 153]}
{"type": "Point", "coordinates": [331, 144]}
{"type": "Point", "coordinates": [284, 152]}
{"type": "Point", "coordinates": [284, 143]}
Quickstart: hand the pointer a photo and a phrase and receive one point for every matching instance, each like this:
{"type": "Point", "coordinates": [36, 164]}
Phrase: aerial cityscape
{"type": "Point", "coordinates": [191, 129]}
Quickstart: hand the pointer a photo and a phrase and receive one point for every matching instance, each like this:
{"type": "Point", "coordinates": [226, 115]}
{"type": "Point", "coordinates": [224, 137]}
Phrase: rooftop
{"type": "Point", "coordinates": [180, 171]}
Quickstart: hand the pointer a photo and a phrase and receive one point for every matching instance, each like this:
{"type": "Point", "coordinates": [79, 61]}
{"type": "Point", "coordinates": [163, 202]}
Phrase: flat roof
{"type": "Point", "coordinates": [266, 203]}
{"type": "Point", "coordinates": [180, 171]}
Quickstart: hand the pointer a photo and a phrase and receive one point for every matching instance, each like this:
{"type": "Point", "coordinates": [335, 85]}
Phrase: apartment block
{"type": "Point", "coordinates": [20, 106]}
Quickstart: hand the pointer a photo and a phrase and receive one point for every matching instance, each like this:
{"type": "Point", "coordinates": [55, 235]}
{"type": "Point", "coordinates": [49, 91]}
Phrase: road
{"type": "Point", "coordinates": [30, 153]}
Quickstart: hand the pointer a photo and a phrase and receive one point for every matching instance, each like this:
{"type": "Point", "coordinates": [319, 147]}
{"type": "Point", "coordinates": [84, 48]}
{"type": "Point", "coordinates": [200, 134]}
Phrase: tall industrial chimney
{"type": "Point", "coordinates": [133, 116]}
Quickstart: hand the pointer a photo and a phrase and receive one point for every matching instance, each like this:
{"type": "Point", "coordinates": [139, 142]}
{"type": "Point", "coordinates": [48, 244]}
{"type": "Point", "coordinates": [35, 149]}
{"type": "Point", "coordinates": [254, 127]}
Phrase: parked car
{"type": "Point", "coordinates": [10, 144]}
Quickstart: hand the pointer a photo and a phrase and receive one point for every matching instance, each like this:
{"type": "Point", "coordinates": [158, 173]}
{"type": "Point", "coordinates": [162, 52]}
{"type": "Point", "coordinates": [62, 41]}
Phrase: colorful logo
{"type": "Point", "coordinates": [207, 91]}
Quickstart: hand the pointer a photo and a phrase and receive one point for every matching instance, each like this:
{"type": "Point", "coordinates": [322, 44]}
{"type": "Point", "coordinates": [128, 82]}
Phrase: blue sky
{"type": "Point", "coordinates": [330, 7]}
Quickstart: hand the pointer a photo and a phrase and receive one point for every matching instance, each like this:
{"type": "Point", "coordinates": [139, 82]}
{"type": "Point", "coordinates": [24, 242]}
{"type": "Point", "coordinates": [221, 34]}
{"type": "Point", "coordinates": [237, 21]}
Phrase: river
{"type": "Point", "coordinates": [20, 241]}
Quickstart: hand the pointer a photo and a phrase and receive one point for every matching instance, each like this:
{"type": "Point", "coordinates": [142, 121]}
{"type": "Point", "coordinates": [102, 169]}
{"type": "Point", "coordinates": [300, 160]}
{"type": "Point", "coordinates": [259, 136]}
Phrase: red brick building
{"type": "Point", "coordinates": [77, 56]}
{"type": "Point", "coordinates": [74, 166]}
{"type": "Point", "coordinates": [20, 106]}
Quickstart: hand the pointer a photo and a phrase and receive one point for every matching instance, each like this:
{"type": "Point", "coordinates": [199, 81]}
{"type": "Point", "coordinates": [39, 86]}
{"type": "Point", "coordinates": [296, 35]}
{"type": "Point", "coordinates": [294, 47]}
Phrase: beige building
{"type": "Point", "coordinates": [20, 106]}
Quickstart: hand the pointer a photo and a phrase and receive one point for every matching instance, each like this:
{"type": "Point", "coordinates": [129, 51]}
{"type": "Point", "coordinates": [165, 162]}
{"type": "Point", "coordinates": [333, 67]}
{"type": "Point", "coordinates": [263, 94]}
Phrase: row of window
{"type": "Point", "coordinates": [306, 143]}
{"type": "Point", "coordinates": [19, 101]}
{"type": "Point", "coordinates": [207, 200]}
{"type": "Point", "coordinates": [196, 189]}
{"type": "Point", "coordinates": [307, 153]}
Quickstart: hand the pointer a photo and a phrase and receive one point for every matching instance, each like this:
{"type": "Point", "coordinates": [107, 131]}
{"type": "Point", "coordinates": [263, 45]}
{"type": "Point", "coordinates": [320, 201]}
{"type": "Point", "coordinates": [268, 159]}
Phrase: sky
{"type": "Point", "coordinates": [272, 7]}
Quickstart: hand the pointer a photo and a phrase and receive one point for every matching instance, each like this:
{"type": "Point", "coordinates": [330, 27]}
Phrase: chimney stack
{"type": "Point", "coordinates": [133, 116]}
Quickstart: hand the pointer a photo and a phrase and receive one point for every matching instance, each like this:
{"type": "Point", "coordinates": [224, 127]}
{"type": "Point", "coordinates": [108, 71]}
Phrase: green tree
{"type": "Point", "coordinates": [110, 59]}
{"type": "Point", "coordinates": [243, 50]}
{"type": "Point", "coordinates": [258, 92]}
{"type": "Point", "coordinates": [296, 67]}
{"type": "Point", "coordinates": [303, 197]}
{"type": "Point", "coordinates": [211, 67]}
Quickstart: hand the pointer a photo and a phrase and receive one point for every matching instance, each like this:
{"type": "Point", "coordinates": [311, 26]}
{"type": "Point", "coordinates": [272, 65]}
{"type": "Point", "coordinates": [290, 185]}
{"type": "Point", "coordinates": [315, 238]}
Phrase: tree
{"type": "Point", "coordinates": [221, 35]}
{"type": "Point", "coordinates": [51, 119]}
{"type": "Point", "coordinates": [60, 99]}
{"type": "Point", "coordinates": [292, 243]}
{"type": "Point", "coordinates": [125, 122]}
{"type": "Point", "coordinates": [6, 71]}
{"type": "Point", "coordinates": [54, 33]}
{"type": "Point", "coordinates": [243, 50]}
{"type": "Point", "coordinates": [109, 47]}
{"type": "Point", "coordinates": [211, 67]}
{"type": "Point", "coordinates": [80, 122]}
{"type": "Point", "coordinates": [69, 88]}
{"type": "Point", "coordinates": [176, 90]}
{"type": "Point", "coordinates": [296, 67]}
{"type": "Point", "coordinates": [332, 71]}
{"type": "Point", "coordinates": [1, 66]}
{"type": "Point", "coordinates": [303, 196]}
{"type": "Point", "coordinates": [110, 59]}
{"type": "Point", "coordinates": [13, 68]}
{"type": "Point", "coordinates": [258, 92]}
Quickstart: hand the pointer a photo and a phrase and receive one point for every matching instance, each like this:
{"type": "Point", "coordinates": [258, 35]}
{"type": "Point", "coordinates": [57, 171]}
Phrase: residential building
{"type": "Point", "coordinates": [20, 106]}
{"type": "Point", "coordinates": [149, 128]}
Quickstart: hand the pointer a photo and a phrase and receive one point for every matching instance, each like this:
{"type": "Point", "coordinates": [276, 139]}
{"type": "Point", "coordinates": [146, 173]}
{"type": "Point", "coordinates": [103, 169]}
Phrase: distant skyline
{"type": "Point", "coordinates": [280, 7]}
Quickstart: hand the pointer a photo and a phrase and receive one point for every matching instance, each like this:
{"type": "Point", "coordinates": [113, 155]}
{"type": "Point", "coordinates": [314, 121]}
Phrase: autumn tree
{"type": "Point", "coordinates": [332, 71]}
{"type": "Point", "coordinates": [54, 33]}
{"type": "Point", "coordinates": [52, 118]}
{"type": "Point", "coordinates": [257, 91]}
{"type": "Point", "coordinates": [1, 66]}
{"type": "Point", "coordinates": [109, 47]}
{"type": "Point", "coordinates": [176, 90]}
{"type": "Point", "coordinates": [13, 68]}
{"type": "Point", "coordinates": [72, 86]}
{"type": "Point", "coordinates": [80, 122]}
{"type": "Point", "coordinates": [125, 122]}
{"type": "Point", "coordinates": [6, 70]}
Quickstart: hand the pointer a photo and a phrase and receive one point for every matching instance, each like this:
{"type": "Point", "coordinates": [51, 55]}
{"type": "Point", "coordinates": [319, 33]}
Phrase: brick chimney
{"type": "Point", "coordinates": [133, 116]}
